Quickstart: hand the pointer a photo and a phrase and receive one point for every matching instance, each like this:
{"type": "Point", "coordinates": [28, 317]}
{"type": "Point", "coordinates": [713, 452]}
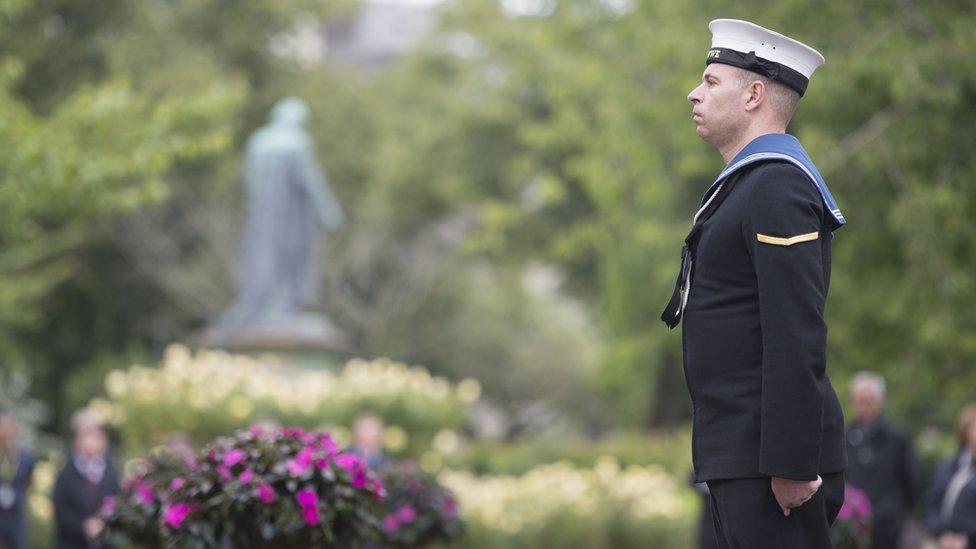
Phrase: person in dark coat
{"type": "Point", "coordinates": [16, 469]}
{"type": "Point", "coordinates": [881, 461]}
{"type": "Point", "coordinates": [951, 511]}
{"type": "Point", "coordinates": [86, 480]}
{"type": "Point", "coordinates": [768, 431]}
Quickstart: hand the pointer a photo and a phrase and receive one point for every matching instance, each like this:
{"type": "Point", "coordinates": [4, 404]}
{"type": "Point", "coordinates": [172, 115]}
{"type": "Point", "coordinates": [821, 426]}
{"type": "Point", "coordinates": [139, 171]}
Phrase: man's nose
{"type": "Point", "coordinates": [694, 96]}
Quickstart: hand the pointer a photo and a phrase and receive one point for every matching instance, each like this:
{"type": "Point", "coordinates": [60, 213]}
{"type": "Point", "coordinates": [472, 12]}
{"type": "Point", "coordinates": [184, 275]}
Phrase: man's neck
{"type": "Point", "coordinates": [735, 146]}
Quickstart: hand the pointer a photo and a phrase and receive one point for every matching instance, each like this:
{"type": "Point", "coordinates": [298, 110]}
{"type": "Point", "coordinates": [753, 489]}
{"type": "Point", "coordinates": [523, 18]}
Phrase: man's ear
{"type": "Point", "coordinates": [755, 94]}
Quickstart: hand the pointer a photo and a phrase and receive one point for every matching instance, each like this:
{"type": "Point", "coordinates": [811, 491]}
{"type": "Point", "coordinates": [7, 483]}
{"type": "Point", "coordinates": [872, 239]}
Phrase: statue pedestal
{"type": "Point", "coordinates": [307, 339]}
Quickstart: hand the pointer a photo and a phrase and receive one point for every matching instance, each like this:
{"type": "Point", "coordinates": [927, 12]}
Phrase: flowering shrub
{"type": "Point", "coordinates": [852, 530]}
{"type": "Point", "coordinates": [212, 393]}
{"type": "Point", "coordinates": [561, 505]}
{"type": "Point", "coordinates": [261, 488]}
{"type": "Point", "coordinates": [137, 510]}
{"type": "Point", "coordinates": [417, 510]}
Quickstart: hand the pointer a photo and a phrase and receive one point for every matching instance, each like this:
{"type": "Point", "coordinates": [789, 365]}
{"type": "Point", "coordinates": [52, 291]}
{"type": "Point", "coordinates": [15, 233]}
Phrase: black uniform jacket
{"type": "Point", "coordinates": [754, 335]}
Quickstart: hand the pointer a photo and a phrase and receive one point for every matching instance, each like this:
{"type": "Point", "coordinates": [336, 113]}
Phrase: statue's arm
{"type": "Point", "coordinates": [317, 186]}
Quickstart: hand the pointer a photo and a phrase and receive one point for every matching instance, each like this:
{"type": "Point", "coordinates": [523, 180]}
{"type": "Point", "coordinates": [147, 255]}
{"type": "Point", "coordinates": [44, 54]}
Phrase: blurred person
{"type": "Point", "coordinates": [82, 485]}
{"type": "Point", "coordinates": [16, 469]}
{"type": "Point", "coordinates": [367, 434]}
{"type": "Point", "coordinates": [881, 461]}
{"type": "Point", "coordinates": [768, 430]}
{"type": "Point", "coordinates": [951, 512]}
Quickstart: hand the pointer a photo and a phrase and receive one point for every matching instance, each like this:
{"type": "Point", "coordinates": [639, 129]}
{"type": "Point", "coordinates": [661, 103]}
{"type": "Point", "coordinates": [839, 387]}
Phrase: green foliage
{"type": "Point", "coordinates": [669, 450]}
{"type": "Point", "coordinates": [107, 108]}
{"type": "Point", "coordinates": [561, 138]}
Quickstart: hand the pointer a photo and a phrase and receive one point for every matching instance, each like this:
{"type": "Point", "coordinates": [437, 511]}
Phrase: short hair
{"type": "Point", "coordinates": [83, 419]}
{"type": "Point", "coordinates": [872, 379]}
{"type": "Point", "coordinates": [783, 99]}
{"type": "Point", "coordinates": [964, 421]}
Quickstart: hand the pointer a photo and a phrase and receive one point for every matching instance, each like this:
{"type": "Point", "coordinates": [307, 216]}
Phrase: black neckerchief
{"type": "Point", "coordinates": [672, 313]}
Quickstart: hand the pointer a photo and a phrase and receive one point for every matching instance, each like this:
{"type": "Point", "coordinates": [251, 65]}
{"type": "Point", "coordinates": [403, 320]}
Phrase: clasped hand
{"type": "Point", "coordinates": [794, 493]}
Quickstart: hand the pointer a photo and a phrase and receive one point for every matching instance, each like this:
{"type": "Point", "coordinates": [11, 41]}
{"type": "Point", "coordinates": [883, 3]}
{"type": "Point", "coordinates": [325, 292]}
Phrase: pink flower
{"type": "Point", "coordinates": [347, 461]}
{"type": "Point", "coordinates": [108, 505]}
{"type": "Point", "coordinates": [246, 477]}
{"type": "Point", "coordinates": [376, 485]}
{"type": "Point", "coordinates": [390, 524]}
{"type": "Point", "coordinates": [301, 463]}
{"type": "Point", "coordinates": [266, 493]}
{"type": "Point", "coordinates": [450, 507]}
{"type": "Point", "coordinates": [329, 445]}
{"type": "Point", "coordinates": [856, 504]}
{"type": "Point", "coordinates": [406, 514]}
{"type": "Point", "coordinates": [144, 491]}
{"type": "Point", "coordinates": [174, 515]}
{"type": "Point", "coordinates": [311, 515]}
{"type": "Point", "coordinates": [322, 463]}
{"type": "Point", "coordinates": [356, 467]}
{"type": "Point", "coordinates": [177, 483]}
{"type": "Point", "coordinates": [224, 473]}
{"type": "Point", "coordinates": [233, 457]}
{"type": "Point", "coordinates": [309, 501]}
{"type": "Point", "coordinates": [307, 498]}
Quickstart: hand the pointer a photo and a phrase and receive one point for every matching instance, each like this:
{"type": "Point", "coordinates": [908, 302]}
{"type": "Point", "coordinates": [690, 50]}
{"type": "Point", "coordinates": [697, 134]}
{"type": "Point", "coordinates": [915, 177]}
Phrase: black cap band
{"type": "Point", "coordinates": [771, 69]}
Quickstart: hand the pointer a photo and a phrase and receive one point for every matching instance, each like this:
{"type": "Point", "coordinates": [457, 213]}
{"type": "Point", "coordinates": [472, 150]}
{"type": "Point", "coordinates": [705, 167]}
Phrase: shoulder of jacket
{"type": "Point", "coordinates": [774, 171]}
{"type": "Point", "coordinates": [777, 180]}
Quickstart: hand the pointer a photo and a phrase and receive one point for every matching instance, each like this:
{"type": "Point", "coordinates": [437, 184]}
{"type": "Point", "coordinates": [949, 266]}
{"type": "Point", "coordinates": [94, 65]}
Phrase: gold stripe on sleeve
{"type": "Point", "coordinates": [787, 241]}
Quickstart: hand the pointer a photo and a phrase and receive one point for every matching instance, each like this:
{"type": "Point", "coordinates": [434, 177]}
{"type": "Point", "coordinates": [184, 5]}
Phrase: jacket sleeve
{"type": "Point", "coordinates": [783, 232]}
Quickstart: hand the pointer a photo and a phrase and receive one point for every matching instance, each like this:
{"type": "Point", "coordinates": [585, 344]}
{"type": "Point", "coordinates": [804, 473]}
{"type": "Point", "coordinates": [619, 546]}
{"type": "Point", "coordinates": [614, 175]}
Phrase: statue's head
{"type": "Point", "coordinates": [291, 111]}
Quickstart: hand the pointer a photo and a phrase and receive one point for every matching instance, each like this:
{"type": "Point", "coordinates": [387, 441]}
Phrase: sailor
{"type": "Point", "coordinates": [768, 429]}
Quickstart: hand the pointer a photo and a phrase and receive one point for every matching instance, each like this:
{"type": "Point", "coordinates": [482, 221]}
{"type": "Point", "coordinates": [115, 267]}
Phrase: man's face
{"type": "Point", "coordinates": [368, 434]}
{"type": "Point", "coordinates": [91, 442]}
{"type": "Point", "coordinates": [866, 403]}
{"type": "Point", "coordinates": [719, 102]}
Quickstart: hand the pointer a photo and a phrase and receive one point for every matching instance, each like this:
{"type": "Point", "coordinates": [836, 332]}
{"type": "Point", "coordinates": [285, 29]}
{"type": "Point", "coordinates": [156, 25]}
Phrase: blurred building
{"type": "Point", "coordinates": [373, 37]}
{"type": "Point", "coordinates": [378, 34]}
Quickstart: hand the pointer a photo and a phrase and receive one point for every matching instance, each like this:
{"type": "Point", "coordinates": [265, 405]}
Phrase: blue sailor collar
{"type": "Point", "coordinates": [777, 146]}
{"type": "Point", "coordinates": [773, 146]}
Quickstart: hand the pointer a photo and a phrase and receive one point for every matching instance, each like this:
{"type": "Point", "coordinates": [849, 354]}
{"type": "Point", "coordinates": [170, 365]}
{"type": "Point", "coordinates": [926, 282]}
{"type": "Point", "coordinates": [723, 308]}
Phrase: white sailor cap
{"type": "Point", "coordinates": [753, 48]}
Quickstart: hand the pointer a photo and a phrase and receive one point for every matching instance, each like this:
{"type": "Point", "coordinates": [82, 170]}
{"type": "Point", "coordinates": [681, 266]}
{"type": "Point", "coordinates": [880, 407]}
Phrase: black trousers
{"type": "Point", "coordinates": [746, 515]}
